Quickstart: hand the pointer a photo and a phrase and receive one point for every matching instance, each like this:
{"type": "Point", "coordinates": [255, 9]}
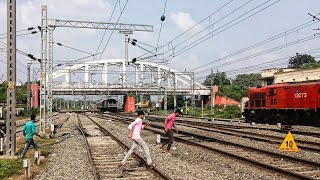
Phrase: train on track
{"type": "Point", "coordinates": [108, 105]}
{"type": "Point", "coordinates": [293, 104]}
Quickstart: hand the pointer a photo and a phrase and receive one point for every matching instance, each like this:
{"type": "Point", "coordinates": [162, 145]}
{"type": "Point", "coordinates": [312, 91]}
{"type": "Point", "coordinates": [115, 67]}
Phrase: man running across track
{"type": "Point", "coordinates": [168, 127]}
{"type": "Point", "coordinates": [29, 130]}
{"type": "Point", "coordinates": [134, 134]}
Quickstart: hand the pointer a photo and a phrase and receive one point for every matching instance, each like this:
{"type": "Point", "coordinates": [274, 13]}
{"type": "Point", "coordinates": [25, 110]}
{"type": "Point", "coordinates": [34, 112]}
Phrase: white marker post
{"type": "Point", "coordinates": [279, 125]}
{"type": "Point", "coordinates": [52, 130]}
{"type": "Point", "coordinates": [37, 156]}
{"type": "Point", "coordinates": [158, 138]}
{"type": "Point", "coordinates": [1, 144]}
{"type": "Point", "coordinates": [202, 107]}
{"type": "Point", "coordinates": [26, 165]}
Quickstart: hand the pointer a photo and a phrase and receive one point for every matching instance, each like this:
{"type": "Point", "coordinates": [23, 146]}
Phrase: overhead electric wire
{"type": "Point", "coordinates": [104, 33]}
{"type": "Point", "coordinates": [204, 38]}
{"type": "Point", "coordinates": [79, 50]}
{"type": "Point", "coordinates": [6, 64]}
{"type": "Point", "coordinates": [28, 29]}
{"type": "Point", "coordinates": [260, 53]}
{"type": "Point", "coordinates": [18, 35]}
{"type": "Point", "coordinates": [113, 30]}
{"type": "Point", "coordinates": [164, 11]}
{"type": "Point", "coordinates": [290, 31]}
{"type": "Point", "coordinates": [211, 25]}
{"type": "Point", "coordinates": [190, 27]}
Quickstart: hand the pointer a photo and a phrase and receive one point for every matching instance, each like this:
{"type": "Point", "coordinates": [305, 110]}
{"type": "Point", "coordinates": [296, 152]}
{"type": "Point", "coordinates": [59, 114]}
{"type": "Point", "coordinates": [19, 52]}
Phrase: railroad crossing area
{"type": "Point", "coordinates": [91, 145]}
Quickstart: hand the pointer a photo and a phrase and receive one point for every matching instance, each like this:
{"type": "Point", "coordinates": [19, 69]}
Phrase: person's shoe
{"type": "Point", "coordinates": [152, 165]}
{"type": "Point", "coordinates": [161, 146]}
{"type": "Point", "coordinates": [121, 165]}
{"type": "Point", "coordinates": [168, 153]}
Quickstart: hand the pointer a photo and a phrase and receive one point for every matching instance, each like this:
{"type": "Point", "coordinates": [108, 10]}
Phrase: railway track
{"type": "Point", "coordinates": [105, 152]}
{"type": "Point", "coordinates": [294, 167]}
{"type": "Point", "coordinates": [273, 139]}
{"type": "Point", "coordinates": [233, 126]}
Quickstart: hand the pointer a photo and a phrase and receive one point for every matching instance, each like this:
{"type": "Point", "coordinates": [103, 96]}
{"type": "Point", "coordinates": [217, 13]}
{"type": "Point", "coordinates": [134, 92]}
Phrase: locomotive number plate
{"type": "Point", "coordinates": [300, 95]}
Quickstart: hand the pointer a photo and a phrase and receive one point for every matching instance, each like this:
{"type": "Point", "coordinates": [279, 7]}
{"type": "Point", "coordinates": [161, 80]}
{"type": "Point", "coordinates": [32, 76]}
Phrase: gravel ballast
{"type": "Point", "coordinates": [69, 159]}
{"type": "Point", "coordinates": [190, 162]}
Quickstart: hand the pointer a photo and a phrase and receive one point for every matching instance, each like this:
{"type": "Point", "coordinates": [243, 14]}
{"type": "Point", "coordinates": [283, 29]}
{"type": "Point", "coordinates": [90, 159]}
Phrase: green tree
{"type": "Point", "coordinates": [3, 92]}
{"type": "Point", "coordinates": [247, 80]}
{"type": "Point", "coordinates": [219, 78]}
{"type": "Point", "coordinates": [170, 102]}
{"type": "Point", "coordinates": [234, 92]}
{"type": "Point", "coordinates": [299, 60]}
{"type": "Point", "coordinates": [311, 65]}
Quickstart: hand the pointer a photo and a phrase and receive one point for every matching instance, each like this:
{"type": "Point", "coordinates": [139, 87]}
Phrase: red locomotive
{"type": "Point", "coordinates": [286, 103]}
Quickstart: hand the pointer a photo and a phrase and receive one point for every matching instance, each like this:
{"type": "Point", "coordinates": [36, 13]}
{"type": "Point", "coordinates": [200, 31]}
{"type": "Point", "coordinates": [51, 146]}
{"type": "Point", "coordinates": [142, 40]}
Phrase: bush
{"type": "Point", "coordinates": [31, 111]}
{"type": "Point", "coordinates": [230, 112]}
{"type": "Point", "coordinates": [9, 167]}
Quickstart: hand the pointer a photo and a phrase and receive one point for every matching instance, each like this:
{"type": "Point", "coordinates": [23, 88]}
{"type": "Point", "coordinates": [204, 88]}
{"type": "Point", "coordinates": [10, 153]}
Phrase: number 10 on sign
{"type": "Point", "coordinates": [288, 144]}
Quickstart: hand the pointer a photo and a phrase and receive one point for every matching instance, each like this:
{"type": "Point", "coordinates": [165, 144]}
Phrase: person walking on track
{"type": "Point", "coordinates": [134, 134]}
{"type": "Point", "coordinates": [168, 128]}
{"type": "Point", "coordinates": [29, 130]}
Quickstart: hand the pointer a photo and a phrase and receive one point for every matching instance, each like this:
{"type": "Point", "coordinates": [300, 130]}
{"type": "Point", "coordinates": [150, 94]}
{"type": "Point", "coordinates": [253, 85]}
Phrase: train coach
{"type": "Point", "coordinates": [294, 104]}
{"type": "Point", "coordinates": [108, 105]}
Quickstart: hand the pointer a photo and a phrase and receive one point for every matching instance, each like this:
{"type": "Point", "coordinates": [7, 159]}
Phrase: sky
{"type": "Point", "coordinates": [180, 15]}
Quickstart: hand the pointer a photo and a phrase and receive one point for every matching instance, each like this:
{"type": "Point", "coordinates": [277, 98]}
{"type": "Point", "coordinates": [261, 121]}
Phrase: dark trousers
{"type": "Point", "coordinates": [29, 142]}
{"type": "Point", "coordinates": [170, 140]}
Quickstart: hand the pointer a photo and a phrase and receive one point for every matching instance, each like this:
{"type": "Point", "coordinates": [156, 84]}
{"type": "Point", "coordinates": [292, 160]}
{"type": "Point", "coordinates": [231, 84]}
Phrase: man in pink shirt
{"type": "Point", "coordinates": [134, 134]}
{"type": "Point", "coordinates": [168, 127]}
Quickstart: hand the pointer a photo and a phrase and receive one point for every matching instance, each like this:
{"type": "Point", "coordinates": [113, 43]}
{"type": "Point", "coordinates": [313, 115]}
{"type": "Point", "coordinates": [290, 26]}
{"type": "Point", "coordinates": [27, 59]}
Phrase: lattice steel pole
{"type": "Point", "coordinates": [43, 68]}
{"type": "Point", "coordinates": [192, 90]}
{"type": "Point", "coordinates": [174, 92]}
{"type": "Point", "coordinates": [11, 79]}
{"type": "Point", "coordinates": [50, 73]}
{"type": "Point", "coordinates": [165, 85]}
{"type": "Point", "coordinates": [29, 85]}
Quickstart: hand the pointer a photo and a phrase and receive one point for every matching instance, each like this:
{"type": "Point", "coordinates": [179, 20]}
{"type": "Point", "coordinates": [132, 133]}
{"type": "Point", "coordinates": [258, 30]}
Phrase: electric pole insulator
{"type": "Point", "coordinates": [163, 18]}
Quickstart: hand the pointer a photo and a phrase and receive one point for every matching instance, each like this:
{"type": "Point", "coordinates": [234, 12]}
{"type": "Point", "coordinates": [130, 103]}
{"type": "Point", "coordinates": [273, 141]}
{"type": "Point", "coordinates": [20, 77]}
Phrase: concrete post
{"type": "Point", "coordinates": [52, 129]}
{"type": "Point", "coordinates": [158, 138]}
{"type": "Point", "coordinates": [202, 107]}
{"type": "Point", "coordinates": [27, 166]}
{"type": "Point", "coordinates": [1, 144]}
{"type": "Point", "coordinates": [37, 156]}
{"type": "Point", "coordinates": [279, 125]}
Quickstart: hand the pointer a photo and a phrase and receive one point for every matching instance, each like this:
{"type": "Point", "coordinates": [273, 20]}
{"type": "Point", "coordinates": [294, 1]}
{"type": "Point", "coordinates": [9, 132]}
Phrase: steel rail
{"type": "Point", "coordinates": [254, 162]}
{"type": "Point", "coordinates": [106, 132]}
{"type": "Point", "coordinates": [94, 170]}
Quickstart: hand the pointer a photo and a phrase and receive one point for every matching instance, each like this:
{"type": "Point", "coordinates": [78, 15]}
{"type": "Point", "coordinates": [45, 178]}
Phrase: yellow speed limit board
{"type": "Point", "coordinates": [288, 144]}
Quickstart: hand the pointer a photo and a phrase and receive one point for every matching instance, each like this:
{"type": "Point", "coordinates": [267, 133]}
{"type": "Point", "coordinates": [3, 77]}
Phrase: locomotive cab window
{"type": "Point", "coordinates": [273, 91]}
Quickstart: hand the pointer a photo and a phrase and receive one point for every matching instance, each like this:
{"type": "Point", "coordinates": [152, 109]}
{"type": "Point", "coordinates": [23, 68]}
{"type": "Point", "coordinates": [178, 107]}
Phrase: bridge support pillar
{"type": "Point", "coordinates": [129, 103]}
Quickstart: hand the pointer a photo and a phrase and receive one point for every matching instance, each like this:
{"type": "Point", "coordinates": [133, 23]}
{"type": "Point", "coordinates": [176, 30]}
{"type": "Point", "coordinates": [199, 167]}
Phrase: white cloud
{"type": "Point", "coordinates": [183, 20]}
{"type": "Point", "coordinates": [28, 15]}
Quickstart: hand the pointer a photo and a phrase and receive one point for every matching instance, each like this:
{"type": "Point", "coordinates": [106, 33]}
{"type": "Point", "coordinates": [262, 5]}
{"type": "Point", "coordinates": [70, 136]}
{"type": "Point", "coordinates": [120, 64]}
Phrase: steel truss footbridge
{"type": "Point", "coordinates": [117, 78]}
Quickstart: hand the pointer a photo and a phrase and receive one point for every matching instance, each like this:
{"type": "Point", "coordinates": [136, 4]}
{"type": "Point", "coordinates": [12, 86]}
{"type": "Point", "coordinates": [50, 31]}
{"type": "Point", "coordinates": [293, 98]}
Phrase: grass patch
{"type": "Point", "coordinates": [9, 167]}
{"type": "Point", "coordinates": [45, 147]}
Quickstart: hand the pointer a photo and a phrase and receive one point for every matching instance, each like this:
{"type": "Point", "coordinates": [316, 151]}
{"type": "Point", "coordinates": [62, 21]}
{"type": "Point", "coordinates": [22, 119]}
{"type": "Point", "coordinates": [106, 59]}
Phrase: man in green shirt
{"type": "Point", "coordinates": [29, 130]}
